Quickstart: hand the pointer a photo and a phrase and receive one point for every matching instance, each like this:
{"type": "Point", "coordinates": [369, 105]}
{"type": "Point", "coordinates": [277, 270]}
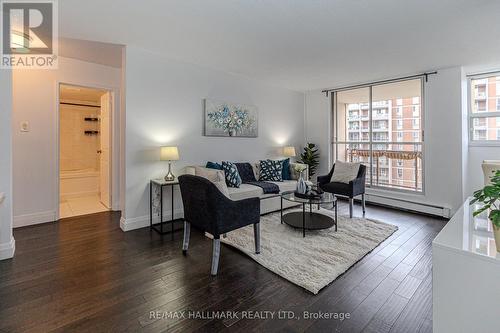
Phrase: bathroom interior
{"type": "Point", "coordinates": [84, 148]}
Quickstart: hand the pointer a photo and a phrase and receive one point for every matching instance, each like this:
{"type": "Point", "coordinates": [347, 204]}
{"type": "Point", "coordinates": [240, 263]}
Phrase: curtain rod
{"type": "Point", "coordinates": [484, 73]}
{"type": "Point", "coordinates": [425, 75]}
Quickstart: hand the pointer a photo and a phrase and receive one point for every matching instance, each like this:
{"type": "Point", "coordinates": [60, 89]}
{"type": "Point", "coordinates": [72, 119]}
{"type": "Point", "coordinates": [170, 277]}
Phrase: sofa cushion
{"type": "Point", "coordinates": [233, 178]}
{"type": "Point", "coordinates": [271, 171]}
{"type": "Point", "coordinates": [245, 191]}
{"type": "Point", "coordinates": [248, 191]}
{"type": "Point", "coordinates": [246, 172]}
{"type": "Point", "coordinates": [344, 172]}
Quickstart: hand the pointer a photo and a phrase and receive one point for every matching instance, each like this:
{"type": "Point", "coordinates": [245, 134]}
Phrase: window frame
{"type": "Point", "coordinates": [485, 115]}
{"type": "Point", "coordinates": [335, 142]}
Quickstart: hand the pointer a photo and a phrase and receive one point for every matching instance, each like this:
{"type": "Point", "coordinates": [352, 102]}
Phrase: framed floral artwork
{"type": "Point", "coordinates": [228, 119]}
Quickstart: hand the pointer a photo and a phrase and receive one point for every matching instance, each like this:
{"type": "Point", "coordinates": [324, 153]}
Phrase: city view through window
{"type": "Point", "coordinates": [485, 108]}
{"type": "Point", "coordinates": [389, 140]}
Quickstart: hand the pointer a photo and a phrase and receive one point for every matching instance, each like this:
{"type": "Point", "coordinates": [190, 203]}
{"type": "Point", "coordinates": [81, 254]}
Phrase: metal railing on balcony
{"type": "Point", "coordinates": [381, 159]}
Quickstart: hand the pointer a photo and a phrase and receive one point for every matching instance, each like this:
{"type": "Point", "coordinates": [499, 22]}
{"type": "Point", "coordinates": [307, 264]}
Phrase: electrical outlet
{"type": "Point", "coordinates": [25, 126]}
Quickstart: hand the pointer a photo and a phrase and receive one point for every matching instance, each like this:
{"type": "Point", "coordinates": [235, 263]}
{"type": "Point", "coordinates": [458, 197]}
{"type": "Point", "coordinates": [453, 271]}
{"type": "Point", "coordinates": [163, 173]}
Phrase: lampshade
{"type": "Point", "coordinates": [289, 151]}
{"type": "Point", "coordinates": [169, 154]}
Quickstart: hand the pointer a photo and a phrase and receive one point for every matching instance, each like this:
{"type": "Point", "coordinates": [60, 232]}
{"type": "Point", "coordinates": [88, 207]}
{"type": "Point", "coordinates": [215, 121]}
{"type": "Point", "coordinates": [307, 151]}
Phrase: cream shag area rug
{"type": "Point", "coordinates": [316, 260]}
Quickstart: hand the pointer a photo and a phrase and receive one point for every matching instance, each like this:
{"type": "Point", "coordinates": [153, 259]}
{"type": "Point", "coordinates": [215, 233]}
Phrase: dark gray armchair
{"type": "Point", "coordinates": [207, 209]}
{"type": "Point", "coordinates": [351, 190]}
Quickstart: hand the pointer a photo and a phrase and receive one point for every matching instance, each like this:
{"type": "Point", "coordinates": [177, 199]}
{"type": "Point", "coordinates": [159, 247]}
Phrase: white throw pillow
{"type": "Point", "coordinates": [215, 176]}
{"type": "Point", "coordinates": [344, 172]}
{"type": "Point", "coordinates": [211, 174]}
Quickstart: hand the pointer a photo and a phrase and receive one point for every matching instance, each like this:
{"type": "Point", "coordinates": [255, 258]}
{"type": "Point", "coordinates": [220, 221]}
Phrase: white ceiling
{"type": "Point", "coordinates": [298, 44]}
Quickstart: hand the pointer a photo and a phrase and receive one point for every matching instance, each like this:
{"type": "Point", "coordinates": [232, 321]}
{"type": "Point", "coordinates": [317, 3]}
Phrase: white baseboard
{"type": "Point", "coordinates": [7, 249]}
{"type": "Point", "coordinates": [409, 205]}
{"type": "Point", "coordinates": [36, 218]}
{"type": "Point", "coordinates": [143, 221]}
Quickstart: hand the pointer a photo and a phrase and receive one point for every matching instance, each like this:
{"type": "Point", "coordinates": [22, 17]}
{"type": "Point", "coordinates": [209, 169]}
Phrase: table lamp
{"type": "Point", "coordinates": [169, 154]}
{"type": "Point", "coordinates": [289, 151]}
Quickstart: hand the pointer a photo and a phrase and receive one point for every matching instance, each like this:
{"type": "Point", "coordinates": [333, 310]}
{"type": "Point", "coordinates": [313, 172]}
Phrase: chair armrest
{"type": "Point", "coordinates": [231, 215]}
{"type": "Point", "coordinates": [358, 186]}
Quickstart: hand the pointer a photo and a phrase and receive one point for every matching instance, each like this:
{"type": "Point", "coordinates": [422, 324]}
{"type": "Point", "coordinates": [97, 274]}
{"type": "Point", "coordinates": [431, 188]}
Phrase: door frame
{"type": "Point", "coordinates": [115, 140]}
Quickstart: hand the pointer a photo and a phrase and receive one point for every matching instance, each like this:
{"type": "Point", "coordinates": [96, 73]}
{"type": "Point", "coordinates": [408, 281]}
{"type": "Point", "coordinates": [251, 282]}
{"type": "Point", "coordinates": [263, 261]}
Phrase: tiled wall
{"type": "Point", "coordinates": [77, 150]}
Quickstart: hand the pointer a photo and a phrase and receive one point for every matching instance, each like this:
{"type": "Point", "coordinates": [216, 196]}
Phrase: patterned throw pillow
{"type": "Point", "coordinates": [271, 171]}
{"type": "Point", "coordinates": [233, 178]}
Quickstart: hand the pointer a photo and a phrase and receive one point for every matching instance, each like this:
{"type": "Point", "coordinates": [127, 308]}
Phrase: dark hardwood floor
{"type": "Point", "coordinates": [85, 274]}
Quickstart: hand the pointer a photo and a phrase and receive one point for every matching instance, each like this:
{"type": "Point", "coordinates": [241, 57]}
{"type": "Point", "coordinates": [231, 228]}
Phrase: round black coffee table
{"type": "Point", "coordinates": [309, 220]}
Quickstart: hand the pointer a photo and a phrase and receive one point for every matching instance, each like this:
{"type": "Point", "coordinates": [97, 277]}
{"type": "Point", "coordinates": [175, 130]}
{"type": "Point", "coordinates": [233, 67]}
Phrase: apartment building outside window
{"type": "Point", "coordinates": [484, 108]}
{"type": "Point", "coordinates": [389, 141]}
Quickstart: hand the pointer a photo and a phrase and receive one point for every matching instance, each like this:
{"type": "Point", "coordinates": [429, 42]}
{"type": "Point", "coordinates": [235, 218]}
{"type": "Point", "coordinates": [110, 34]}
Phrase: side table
{"type": "Point", "coordinates": [156, 205]}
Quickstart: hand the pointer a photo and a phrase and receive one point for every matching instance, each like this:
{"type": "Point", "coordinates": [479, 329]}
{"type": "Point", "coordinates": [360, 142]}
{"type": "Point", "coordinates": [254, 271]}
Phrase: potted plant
{"type": "Point", "coordinates": [489, 196]}
{"type": "Point", "coordinates": [310, 156]}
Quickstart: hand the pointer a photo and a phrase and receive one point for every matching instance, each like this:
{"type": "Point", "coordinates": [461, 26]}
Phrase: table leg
{"type": "Point", "coordinates": [336, 220]}
{"type": "Point", "coordinates": [281, 210]}
{"type": "Point", "coordinates": [172, 223]}
{"type": "Point", "coordinates": [303, 220]}
{"type": "Point", "coordinates": [150, 205]}
{"type": "Point", "coordinates": [161, 210]}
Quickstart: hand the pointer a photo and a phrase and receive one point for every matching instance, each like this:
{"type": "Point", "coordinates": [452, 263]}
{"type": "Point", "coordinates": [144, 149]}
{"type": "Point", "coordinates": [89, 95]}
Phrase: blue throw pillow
{"type": "Point", "coordinates": [213, 165]}
{"type": "Point", "coordinates": [233, 178]}
{"type": "Point", "coordinates": [271, 171]}
{"type": "Point", "coordinates": [286, 169]}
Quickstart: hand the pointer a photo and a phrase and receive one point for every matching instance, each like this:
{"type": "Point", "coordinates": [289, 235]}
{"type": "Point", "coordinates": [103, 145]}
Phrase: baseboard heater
{"type": "Point", "coordinates": [408, 205]}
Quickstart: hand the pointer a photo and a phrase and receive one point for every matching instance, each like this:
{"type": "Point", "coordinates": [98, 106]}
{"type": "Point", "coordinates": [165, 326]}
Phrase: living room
{"type": "Point", "coordinates": [369, 234]}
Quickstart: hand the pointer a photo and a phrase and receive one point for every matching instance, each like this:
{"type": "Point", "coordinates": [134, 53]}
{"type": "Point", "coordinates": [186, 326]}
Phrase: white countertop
{"type": "Point", "coordinates": [469, 235]}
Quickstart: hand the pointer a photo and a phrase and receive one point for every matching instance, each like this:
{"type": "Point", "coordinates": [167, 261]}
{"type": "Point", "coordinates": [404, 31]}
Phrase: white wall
{"type": "Point", "coordinates": [7, 244]}
{"type": "Point", "coordinates": [35, 155]}
{"type": "Point", "coordinates": [443, 140]}
{"type": "Point", "coordinates": [317, 127]}
{"type": "Point", "coordinates": [164, 103]}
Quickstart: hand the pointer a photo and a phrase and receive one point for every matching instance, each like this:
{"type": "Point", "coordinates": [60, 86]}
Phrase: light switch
{"type": "Point", "coordinates": [25, 126]}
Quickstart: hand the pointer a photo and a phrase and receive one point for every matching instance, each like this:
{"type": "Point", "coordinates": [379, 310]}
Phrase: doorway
{"type": "Point", "coordinates": [84, 150]}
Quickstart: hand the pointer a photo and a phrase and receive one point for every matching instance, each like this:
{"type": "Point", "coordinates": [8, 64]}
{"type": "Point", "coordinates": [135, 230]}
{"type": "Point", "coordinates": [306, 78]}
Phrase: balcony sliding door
{"type": "Point", "coordinates": [381, 126]}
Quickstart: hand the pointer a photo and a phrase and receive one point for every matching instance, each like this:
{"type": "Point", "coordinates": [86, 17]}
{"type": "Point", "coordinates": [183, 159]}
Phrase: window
{"type": "Point", "coordinates": [399, 111]}
{"type": "Point", "coordinates": [416, 123]}
{"type": "Point", "coordinates": [415, 110]}
{"type": "Point", "coordinates": [400, 123]}
{"type": "Point", "coordinates": [389, 139]}
{"type": "Point", "coordinates": [484, 110]}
